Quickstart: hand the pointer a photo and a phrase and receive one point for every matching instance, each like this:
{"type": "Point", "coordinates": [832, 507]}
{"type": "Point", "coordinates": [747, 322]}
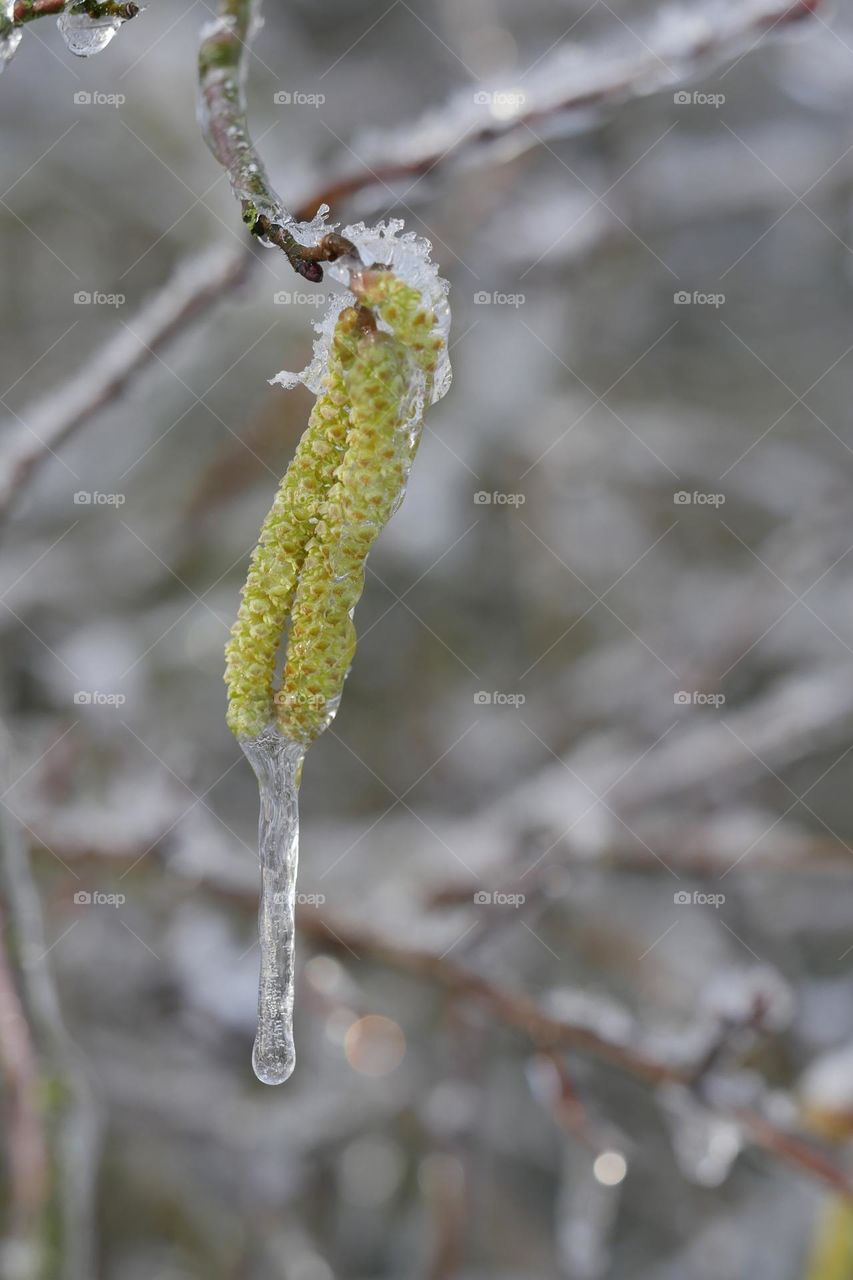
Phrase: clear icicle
{"type": "Point", "coordinates": [10, 35]}
{"type": "Point", "coordinates": [83, 34]}
{"type": "Point", "coordinates": [277, 764]}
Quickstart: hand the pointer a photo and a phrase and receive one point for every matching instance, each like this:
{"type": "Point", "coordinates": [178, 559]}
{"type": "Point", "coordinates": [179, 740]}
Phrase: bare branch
{"type": "Point", "coordinates": [29, 10]}
{"type": "Point", "coordinates": [189, 293]}
{"type": "Point", "coordinates": [467, 132]}
{"type": "Point", "coordinates": [222, 72]}
{"type": "Point", "coordinates": [27, 1148]}
{"type": "Point", "coordinates": [547, 1032]}
{"type": "Point", "coordinates": [48, 423]}
{"type": "Point", "coordinates": [67, 1110]}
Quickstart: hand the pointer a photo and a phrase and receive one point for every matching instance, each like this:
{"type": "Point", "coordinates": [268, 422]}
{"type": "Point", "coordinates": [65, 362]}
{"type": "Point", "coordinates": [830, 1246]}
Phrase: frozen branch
{"type": "Point", "coordinates": [26, 1143]}
{"type": "Point", "coordinates": [222, 73]}
{"type": "Point", "coordinates": [569, 93]}
{"type": "Point", "coordinates": [545, 1032]}
{"type": "Point", "coordinates": [47, 424]}
{"type": "Point", "coordinates": [29, 10]}
{"type": "Point", "coordinates": [436, 142]}
{"type": "Point", "coordinates": [67, 1115]}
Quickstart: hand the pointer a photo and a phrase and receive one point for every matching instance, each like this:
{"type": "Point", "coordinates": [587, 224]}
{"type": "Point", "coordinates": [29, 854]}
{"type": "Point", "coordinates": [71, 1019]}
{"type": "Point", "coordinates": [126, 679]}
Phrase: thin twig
{"type": "Point", "coordinates": [222, 71]}
{"type": "Point", "coordinates": [188, 294]}
{"type": "Point", "coordinates": [544, 1031]}
{"type": "Point", "coordinates": [48, 423]}
{"type": "Point", "coordinates": [26, 1141]}
{"type": "Point", "coordinates": [68, 1112]}
{"type": "Point", "coordinates": [456, 135]}
{"type": "Point", "coordinates": [29, 10]}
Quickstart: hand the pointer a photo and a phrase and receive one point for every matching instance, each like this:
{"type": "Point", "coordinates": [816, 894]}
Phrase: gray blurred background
{"type": "Point", "coordinates": [594, 746]}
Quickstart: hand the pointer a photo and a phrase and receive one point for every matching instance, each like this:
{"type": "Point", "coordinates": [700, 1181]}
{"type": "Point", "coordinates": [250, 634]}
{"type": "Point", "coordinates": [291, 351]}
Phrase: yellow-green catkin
{"type": "Point", "coordinates": [831, 1254]}
{"type": "Point", "coordinates": [345, 482]}
{"type": "Point", "coordinates": [278, 558]}
{"type": "Point", "coordinates": [401, 307]}
{"type": "Point", "coordinates": [369, 482]}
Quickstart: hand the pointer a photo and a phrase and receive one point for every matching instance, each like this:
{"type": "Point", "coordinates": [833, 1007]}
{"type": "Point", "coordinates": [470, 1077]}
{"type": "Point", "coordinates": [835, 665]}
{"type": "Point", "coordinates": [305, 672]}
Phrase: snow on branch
{"type": "Point", "coordinates": [579, 90]}
{"type": "Point", "coordinates": [44, 426]}
{"type": "Point", "coordinates": [222, 113]}
{"type": "Point", "coordinates": [568, 93]}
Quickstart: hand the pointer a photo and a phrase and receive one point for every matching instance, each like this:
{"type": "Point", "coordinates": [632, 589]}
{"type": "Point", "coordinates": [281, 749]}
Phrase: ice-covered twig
{"type": "Point", "coordinates": [45, 425]}
{"type": "Point", "coordinates": [189, 293]}
{"type": "Point", "coordinates": [545, 1031]}
{"type": "Point", "coordinates": [29, 10]}
{"type": "Point", "coordinates": [26, 1142]}
{"type": "Point", "coordinates": [222, 111]}
{"type": "Point", "coordinates": [68, 1115]}
{"type": "Point", "coordinates": [548, 1032]}
{"type": "Point", "coordinates": [568, 93]}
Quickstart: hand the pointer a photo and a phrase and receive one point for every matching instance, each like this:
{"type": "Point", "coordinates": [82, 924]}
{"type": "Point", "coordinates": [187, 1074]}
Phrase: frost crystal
{"type": "Point", "coordinates": [233, 147]}
{"type": "Point", "coordinates": [83, 34]}
{"type": "Point", "coordinates": [408, 256]}
{"type": "Point", "coordinates": [10, 35]}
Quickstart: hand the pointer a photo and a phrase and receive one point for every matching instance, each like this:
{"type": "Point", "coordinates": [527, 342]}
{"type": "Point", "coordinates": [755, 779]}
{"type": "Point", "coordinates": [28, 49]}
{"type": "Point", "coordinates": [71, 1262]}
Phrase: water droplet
{"type": "Point", "coordinates": [83, 34]}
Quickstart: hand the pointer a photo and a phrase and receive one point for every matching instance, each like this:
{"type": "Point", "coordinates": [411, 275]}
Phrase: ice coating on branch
{"type": "Point", "coordinates": [10, 35]}
{"type": "Point", "coordinates": [277, 764]}
{"type": "Point", "coordinates": [409, 257]}
{"type": "Point", "coordinates": [572, 85]}
{"type": "Point", "coordinates": [222, 120]}
{"type": "Point", "coordinates": [83, 34]}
